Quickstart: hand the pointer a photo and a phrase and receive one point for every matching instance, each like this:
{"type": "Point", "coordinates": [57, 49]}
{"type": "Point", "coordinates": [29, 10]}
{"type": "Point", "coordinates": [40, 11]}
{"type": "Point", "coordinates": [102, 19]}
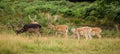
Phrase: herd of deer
{"type": "Point", "coordinates": [86, 31]}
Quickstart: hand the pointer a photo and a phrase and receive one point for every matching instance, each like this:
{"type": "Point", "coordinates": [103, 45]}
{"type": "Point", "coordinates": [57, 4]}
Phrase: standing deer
{"type": "Point", "coordinates": [96, 31]}
{"type": "Point", "coordinates": [30, 28]}
{"type": "Point", "coordinates": [88, 32]}
{"type": "Point", "coordinates": [82, 31]}
{"type": "Point", "coordinates": [33, 27]}
{"type": "Point", "coordinates": [59, 29]}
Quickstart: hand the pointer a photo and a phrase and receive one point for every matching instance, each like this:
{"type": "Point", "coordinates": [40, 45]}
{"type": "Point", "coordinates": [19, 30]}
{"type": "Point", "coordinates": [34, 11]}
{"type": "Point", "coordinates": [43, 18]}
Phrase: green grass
{"type": "Point", "coordinates": [12, 44]}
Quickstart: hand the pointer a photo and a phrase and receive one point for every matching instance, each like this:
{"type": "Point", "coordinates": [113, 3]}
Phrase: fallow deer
{"type": "Point", "coordinates": [59, 29]}
{"type": "Point", "coordinates": [30, 28]}
{"type": "Point", "coordinates": [88, 32]}
{"type": "Point", "coordinates": [96, 31]}
{"type": "Point", "coordinates": [82, 31]}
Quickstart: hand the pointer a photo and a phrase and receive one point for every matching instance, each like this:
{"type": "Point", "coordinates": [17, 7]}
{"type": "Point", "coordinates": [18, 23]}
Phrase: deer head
{"type": "Point", "coordinates": [33, 20]}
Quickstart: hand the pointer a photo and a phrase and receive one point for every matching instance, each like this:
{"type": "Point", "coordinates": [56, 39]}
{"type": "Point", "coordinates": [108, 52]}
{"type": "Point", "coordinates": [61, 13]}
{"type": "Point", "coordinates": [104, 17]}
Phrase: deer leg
{"type": "Point", "coordinates": [73, 35]}
{"type": "Point", "coordinates": [57, 34]}
{"type": "Point", "coordinates": [38, 34]}
{"type": "Point", "coordinates": [86, 36]}
{"type": "Point", "coordinates": [65, 34]}
{"type": "Point", "coordinates": [89, 35]}
{"type": "Point", "coordinates": [78, 36]}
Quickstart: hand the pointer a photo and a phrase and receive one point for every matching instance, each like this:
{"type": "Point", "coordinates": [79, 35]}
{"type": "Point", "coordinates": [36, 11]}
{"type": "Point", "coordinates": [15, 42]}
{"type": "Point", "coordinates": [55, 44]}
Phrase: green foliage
{"type": "Point", "coordinates": [98, 9]}
{"type": "Point", "coordinates": [110, 34]}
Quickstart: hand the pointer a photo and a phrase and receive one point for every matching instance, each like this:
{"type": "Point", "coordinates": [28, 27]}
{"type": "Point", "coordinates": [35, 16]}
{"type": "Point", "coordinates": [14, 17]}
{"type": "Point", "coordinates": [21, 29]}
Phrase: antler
{"type": "Point", "coordinates": [30, 17]}
{"type": "Point", "coordinates": [55, 17]}
{"type": "Point", "coordinates": [35, 17]}
{"type": "Point", "coordinates": [12, 26]}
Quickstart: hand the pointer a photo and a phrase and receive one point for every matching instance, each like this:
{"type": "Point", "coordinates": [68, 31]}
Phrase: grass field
{"type": "Point", "coordinates": [12, 44]}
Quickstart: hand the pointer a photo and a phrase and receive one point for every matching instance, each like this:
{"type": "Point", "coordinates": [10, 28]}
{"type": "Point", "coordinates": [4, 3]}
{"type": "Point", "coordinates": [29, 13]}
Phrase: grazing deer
{"type": "Point", "coordinates": [59, 29]}
{"type": "Point", "coordinates": [82, 31]}
{"type": "Point", "coordinates": [96, 31]}
{"type": "Point", "coordinates": [88, 32]}
{"type": "Point", "coordinates": [30, 28]}
{"type": "Point", "coordinates": [33, 21]}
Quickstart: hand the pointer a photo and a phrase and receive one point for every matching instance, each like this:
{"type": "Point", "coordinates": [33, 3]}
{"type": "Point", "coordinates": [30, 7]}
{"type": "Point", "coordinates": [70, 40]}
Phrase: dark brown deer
{"type": "Point", "coordinates": [30, 28]}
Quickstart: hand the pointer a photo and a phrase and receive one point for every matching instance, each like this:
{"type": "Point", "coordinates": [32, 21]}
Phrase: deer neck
{"type": "Point", "coordinates": [53, 27]}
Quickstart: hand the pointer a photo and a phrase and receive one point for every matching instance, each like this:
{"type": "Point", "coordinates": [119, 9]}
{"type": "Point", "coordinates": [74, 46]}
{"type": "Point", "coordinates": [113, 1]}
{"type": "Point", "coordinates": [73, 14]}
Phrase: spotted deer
{"type": "Point", "coordinates": [82, 31]}
{"type": "Point", "coordinates": [87, 32]}
{"type": "Point", "coordinates": [96, 31]}
{"type": "Point", "coordinates": [59, 29]}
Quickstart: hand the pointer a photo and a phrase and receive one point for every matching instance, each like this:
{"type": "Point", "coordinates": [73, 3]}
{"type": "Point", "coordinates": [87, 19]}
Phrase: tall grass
{"type": "Point", "coordinates": [12, 44]}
